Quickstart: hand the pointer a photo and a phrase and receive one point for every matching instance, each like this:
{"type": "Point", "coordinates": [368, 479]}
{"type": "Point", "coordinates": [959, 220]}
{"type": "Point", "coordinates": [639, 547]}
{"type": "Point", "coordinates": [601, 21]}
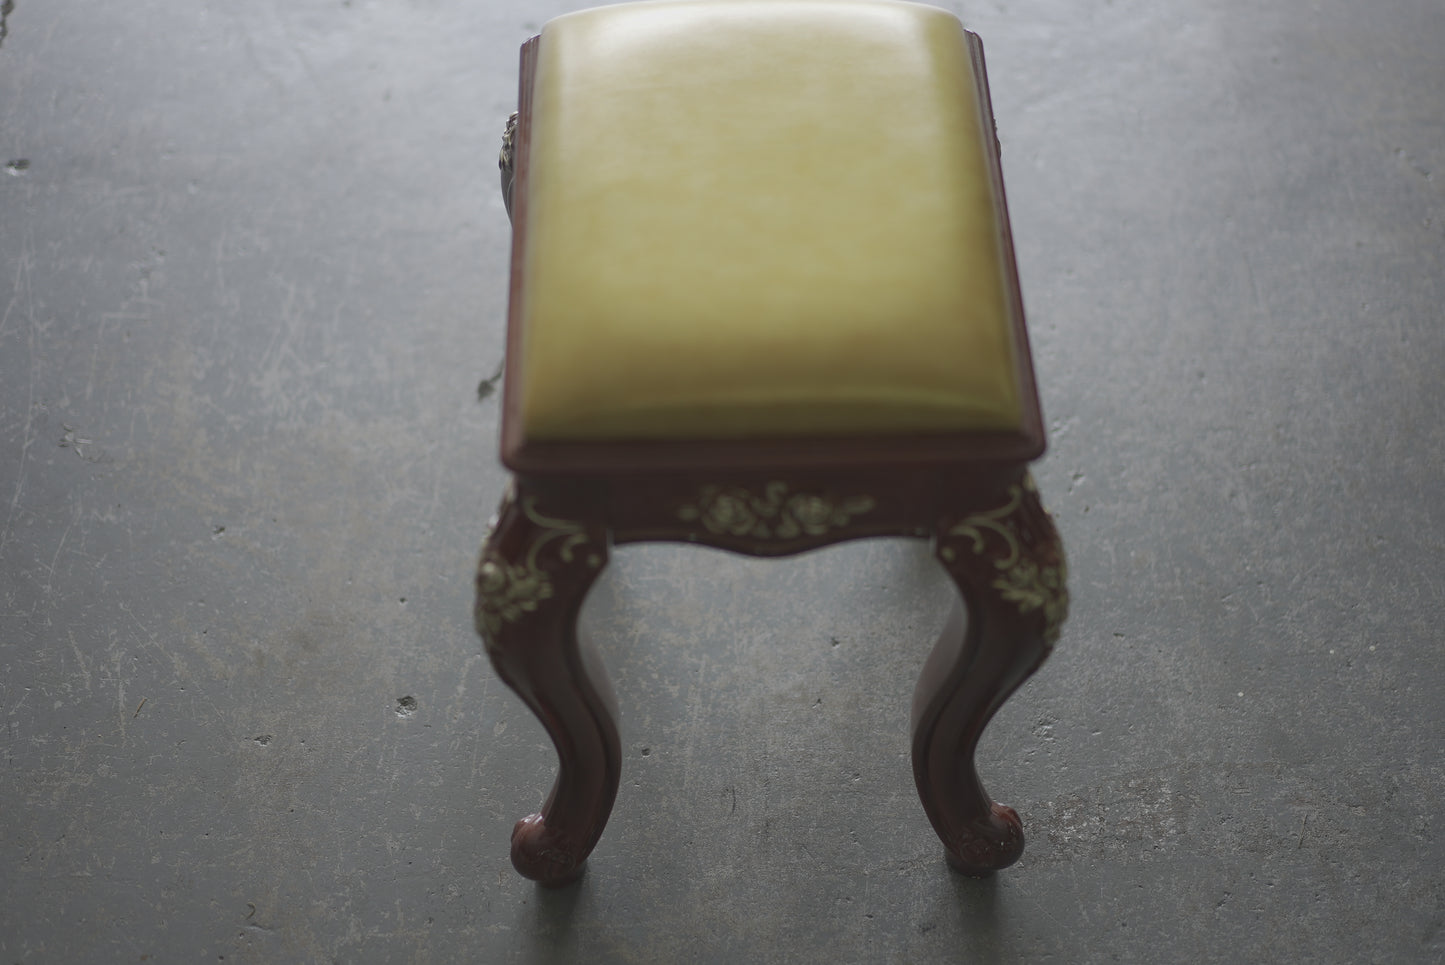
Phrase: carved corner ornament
{"type": "Point", "coordinates": [509, 136]}
{"type": "Point", "coordinates": [507, 591]}
{"type": "Point", "coordinates": [1032, 581]}
{"type": "Point", "coordinates": [773, 513]}
{"type": "Point", "coordinates": [506, 160]}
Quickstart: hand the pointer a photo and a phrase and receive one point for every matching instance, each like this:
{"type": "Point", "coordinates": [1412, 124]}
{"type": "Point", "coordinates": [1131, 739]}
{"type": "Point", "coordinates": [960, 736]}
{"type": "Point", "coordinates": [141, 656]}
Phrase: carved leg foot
{"type": "Point", "coordinates": [534, 572]}
{"type": "Point", "coordinates": [1009, 568]}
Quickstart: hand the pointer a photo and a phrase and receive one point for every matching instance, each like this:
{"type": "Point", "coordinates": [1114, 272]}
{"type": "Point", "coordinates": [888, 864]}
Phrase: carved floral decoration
{"type": "Point", "coordinates": [507, 591]}
{"type": "Point", "coordinates": [773, 513]}
{"type": "Point", "coordinates": [1023, 581]}
{"type": "Point", "coordinates": [507, 155]}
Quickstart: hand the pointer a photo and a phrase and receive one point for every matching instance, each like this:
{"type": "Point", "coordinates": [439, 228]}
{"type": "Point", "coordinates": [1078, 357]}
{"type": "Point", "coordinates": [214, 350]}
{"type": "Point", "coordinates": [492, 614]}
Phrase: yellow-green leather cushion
{"type": "Point", "coordinates": [760, 218]}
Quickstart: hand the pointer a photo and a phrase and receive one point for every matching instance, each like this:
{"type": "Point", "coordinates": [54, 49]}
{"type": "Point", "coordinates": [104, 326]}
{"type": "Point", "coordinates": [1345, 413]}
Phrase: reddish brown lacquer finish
{"type": "Point", "coordinates": [968, 493]}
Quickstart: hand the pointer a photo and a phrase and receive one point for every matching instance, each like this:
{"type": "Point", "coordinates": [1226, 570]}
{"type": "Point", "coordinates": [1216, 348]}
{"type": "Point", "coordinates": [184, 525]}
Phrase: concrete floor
{"type": "Point", "coordinates": [251, 271]}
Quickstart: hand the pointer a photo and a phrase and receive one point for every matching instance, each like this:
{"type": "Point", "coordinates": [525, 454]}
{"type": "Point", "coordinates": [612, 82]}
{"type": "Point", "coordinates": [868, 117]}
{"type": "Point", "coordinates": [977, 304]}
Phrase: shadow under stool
{"type": "Point", "coordinates": [763, 298]}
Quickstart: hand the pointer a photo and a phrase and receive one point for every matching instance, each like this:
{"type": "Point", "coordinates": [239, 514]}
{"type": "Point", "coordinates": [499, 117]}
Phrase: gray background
{"type": "Point", "coordinates": [250, 278]}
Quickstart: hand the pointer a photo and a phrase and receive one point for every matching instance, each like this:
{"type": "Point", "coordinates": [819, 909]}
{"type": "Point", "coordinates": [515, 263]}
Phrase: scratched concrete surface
{"type": "Point", "coordinates": [251, 272]}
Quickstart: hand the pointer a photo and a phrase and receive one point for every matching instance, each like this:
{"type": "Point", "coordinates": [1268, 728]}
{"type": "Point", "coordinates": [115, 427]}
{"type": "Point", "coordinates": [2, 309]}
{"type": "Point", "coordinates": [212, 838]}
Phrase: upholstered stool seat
{"type": "Point", "coordinates": [763, 297]}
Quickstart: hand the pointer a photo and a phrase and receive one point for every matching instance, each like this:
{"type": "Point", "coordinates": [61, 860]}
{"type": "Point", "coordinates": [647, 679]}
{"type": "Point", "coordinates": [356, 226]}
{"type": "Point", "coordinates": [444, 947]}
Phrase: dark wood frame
{"type": "Point", "coordinates": [968, 492]}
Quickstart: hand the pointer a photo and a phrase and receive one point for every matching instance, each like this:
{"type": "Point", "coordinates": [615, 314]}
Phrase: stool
{"type": "Point", "coordinates": [763, 298]}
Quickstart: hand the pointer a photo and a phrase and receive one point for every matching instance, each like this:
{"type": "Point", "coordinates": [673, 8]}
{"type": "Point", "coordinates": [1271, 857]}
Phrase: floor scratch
{"type": "Point", "coordinates": [22, 285]}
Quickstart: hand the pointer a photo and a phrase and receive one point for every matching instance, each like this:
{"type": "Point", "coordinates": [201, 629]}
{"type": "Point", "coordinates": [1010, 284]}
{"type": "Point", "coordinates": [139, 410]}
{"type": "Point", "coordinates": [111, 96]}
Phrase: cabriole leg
{"type": "Point", "coordinates": [1009, 568]}
{"type": "Point", "coordinates": [534, 573]}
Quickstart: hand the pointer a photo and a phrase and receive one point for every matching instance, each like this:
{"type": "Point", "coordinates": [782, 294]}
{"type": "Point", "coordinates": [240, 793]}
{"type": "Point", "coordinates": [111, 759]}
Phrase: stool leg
{"type": "Point", "coordinates": [534, 573]}
{"type": "Point", "coordinates": [1009, 568]}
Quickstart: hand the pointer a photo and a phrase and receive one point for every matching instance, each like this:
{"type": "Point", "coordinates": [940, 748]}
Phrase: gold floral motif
{"type": "Point", "coordinates": [506, 591]}
{"type": "Point", "coordinates": [773, 514]}
{"type": "Point", "coordinates": [1022, 581]}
